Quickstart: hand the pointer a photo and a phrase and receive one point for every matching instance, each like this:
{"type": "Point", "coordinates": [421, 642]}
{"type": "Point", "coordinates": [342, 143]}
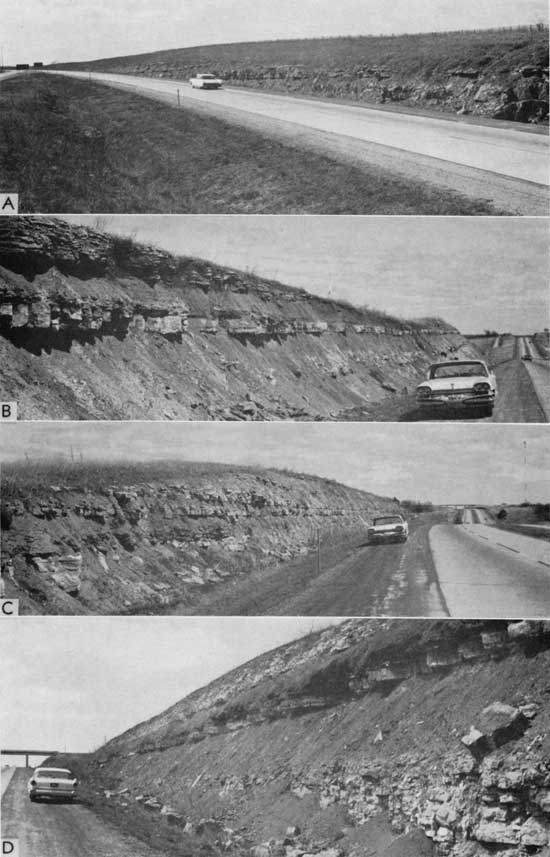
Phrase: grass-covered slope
{"type": "Point", "coordinates": [70, 146]}
{"type": "Point", "coordinates": [500, 72]}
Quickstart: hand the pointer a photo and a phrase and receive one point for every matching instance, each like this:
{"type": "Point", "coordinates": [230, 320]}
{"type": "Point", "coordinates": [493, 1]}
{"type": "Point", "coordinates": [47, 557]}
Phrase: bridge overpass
{"type": "Point", "coordinates": [27, 754]}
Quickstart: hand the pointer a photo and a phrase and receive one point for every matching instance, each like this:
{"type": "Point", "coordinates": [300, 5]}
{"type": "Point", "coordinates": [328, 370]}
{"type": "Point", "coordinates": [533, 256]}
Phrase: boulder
{"type": "Point", "coordinates": [535, 834]}
{"type": "Point", "coordinates": [171, 815]}
{"type": "Point", "coordinates": [543, 800]}
{"type": "Point", "coordinates": [68, 581]}
{"type": "Point", "coordinates": [502, 723]}
{"type": "Point", "coordinates": [476, 742]}
{"type": "Point", "coordinates": [496, 832]}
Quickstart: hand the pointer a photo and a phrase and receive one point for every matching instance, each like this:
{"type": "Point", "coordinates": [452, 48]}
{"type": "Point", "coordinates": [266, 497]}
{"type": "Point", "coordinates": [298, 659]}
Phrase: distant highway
{"type": "Point", "coordinates": [506, 165]}
{"type": "Point", "coordinates": [538, 369]}
{"type": "Point", "coordinates": [523, 385]}
{"type": "Point", "coordinates": [60, 829]}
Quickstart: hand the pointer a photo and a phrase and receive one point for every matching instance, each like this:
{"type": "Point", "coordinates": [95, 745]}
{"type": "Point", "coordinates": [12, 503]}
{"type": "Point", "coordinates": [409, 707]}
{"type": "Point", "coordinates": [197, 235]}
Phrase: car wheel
{"type": "Point", "coordinates": [32, 798]}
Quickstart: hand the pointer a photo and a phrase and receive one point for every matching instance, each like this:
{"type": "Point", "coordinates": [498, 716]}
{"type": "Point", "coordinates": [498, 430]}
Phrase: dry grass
{"type": "Point", "coordinates": [19, 478]}
{"type": "Point", "coordinates": [76, 146]}
{"type": "Point", "coordinates": [497, 49]}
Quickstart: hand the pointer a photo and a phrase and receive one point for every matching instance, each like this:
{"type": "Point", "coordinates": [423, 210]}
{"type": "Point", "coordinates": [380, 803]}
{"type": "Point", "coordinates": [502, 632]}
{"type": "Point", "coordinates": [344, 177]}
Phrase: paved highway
{"type": "Point", "coordinates": [355, 579]}
{"type": "Point", "coordinates": [462, 570]}
{"type": "Point", "coordinates": [5, 779]}
{"type": "Point", "coordinates": [523, 391]}
{"type": "Point", "coordinates": [487, 572]}
{"type": "Point", "coordinates": [538, 370]}
{"type": "Point", "coordinates": [519, 156]}
{"type": "Point", "coordinates": [61, 830]}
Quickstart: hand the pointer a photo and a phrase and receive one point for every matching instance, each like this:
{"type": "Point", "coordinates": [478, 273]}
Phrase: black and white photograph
{"type": "Point", "coordinates": [274, 428]}
{"type": "Point", "coordinates": [420, 108]}
{"type": "Point", "coordinates": [276, 318]}
{"type": "Point", "coordinates": [276, 736]}
{"type": "Point", "coordinates": [280, 518]}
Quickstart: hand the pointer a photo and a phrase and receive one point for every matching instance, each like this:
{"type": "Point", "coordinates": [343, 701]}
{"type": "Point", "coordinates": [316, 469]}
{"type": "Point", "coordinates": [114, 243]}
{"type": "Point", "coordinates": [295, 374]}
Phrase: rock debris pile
{"type": "Point", "coordinates": [150, 544]}
{"type": "Point", "coordinates": [383, 764]}
{"type": "Point", "coordinates": [94, 326]}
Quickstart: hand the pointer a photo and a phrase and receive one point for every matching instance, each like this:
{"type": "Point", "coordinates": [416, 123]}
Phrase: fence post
{"type": "Point", "coordinates": [318, 550]}
{"type": "Point", "coordinates": [179, 103]}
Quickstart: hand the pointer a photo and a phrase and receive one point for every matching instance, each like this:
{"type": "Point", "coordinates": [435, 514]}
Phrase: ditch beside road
{"type": "Point", "coordinates": [505, 166]}
{"type": "Point", "coordinates": [61, 829]}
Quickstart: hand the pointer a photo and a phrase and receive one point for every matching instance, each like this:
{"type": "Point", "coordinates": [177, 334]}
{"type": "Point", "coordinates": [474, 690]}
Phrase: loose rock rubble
{"type": "Point", "coordinates": [190, 340]}
{"type": "Point", "coordinates": [379, 769]}
{"type": "Point", "coordinates": [150, 544]}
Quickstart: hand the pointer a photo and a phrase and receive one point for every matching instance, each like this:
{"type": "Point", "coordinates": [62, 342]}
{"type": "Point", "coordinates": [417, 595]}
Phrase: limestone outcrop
{"type": "Point", "coordinates": [309, 750]}
{"type": "Point", "coordinates": [97, 326]}
{"type": "Point", "coordinates": [150, 544]}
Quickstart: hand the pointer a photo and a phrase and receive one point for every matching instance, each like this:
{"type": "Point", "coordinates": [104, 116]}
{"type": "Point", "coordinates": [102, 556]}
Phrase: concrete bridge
{"type": "Point", "coordinates": [27, 754]}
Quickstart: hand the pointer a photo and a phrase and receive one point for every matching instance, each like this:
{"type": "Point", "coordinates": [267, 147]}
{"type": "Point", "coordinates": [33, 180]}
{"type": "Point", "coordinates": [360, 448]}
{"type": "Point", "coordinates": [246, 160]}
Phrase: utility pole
{"type": "Point", "coordinates": [318, 550]}
{"type": "Point", "coordinates": [525, 471]}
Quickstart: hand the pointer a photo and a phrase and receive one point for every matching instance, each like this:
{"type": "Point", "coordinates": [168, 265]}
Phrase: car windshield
{"type": "Point", "coordinates": [388, 519]}
{"type": "Point", "coordinates": [54, 774]}
{"type": "Point", "coordinates": [457, 370]}
{"type": "Point", "coordinates": [208, 76]}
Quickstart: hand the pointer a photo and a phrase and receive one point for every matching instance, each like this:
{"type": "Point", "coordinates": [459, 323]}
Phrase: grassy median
{"type": "Point", "coordinates": [76, 146]}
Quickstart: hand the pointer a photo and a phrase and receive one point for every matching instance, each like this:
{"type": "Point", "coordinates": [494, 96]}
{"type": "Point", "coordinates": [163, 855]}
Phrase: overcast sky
{"type": "Point", "coordinates": [476, 273]}
{"type": "Point", "coordinates": [63, 30]}
{"type": "Point", "coordinates": [442, 462]}
{"type": "Point", "coordinates": [72, 683]}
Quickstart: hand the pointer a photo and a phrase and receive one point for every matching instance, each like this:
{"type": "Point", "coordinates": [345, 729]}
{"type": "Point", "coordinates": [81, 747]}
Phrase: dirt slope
{"type": "Point", "coordinates": [95, 327]}
{"type": "Point", "coordinates": [370, 738]}
{"type": "Point", "coordinates": [140, 539]}
{"type": "Point", "coordinates": [497, 73]}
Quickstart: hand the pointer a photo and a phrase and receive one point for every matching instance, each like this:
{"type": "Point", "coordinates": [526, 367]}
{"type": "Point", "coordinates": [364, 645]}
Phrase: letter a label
{"type": "Point", "coordinates": [9, 203]}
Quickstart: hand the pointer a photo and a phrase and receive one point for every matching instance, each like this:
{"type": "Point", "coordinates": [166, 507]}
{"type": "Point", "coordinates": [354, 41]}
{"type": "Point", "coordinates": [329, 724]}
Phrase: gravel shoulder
{"type": "Point", "coordinates": [61, 830]}
{"type": "Point", "coordinates": [506, 194]}
{"type": "Point", "coordinates": [351, 579]}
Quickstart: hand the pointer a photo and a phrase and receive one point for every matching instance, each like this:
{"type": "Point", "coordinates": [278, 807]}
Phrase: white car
{"type": "Point", "coordinates": [53, 784]}
{"type": "Point", "coordinates": [206, 81]}
{"type": "Point", "coordinates": [388, 528]}
{"type": "Point", "coordinates": [464, 384]}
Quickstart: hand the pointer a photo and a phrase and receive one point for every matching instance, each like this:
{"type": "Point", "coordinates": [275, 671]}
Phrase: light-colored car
{"type": "Point", "coordinates": [53, 784]}
{"type": "Point", "coordinates": [206, 81]}
{"type": "Point", "coordinates": [388, 528]}
{"type": "Point", "coordinates": [464, 384]}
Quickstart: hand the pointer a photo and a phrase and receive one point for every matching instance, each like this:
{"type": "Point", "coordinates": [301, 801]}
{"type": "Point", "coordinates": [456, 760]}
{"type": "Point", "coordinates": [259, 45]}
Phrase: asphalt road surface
{"type": "Point", "coordinates": [462, 570]}
{"type": "Point", "coordinates": [487, 572]}
{"type": "Point", "coordinates": [523, 387]}
{"type": "Point", "coordinates": [355, 579]}
{"type": "Point", "coordinates": [60, 829]}
{"type": "Point", "coordinates": [523, 393]}
{"type": "Point", "coordinates": [506, 165]}
{"type": "Point", "coordinates": [539, 374]}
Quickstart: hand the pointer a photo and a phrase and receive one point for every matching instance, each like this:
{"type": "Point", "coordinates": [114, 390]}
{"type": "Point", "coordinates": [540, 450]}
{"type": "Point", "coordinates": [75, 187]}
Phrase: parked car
{"type": "Point", "coordinates": [526, 356]}
{"type": "Point", "coordinates": [388, 528]}
{"type": "Point", "coordinates": [206, 81]}
{"type": "Point", "coordinates": [465, 384]}
{"type": "Point", "coordinates": [52, 784]}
